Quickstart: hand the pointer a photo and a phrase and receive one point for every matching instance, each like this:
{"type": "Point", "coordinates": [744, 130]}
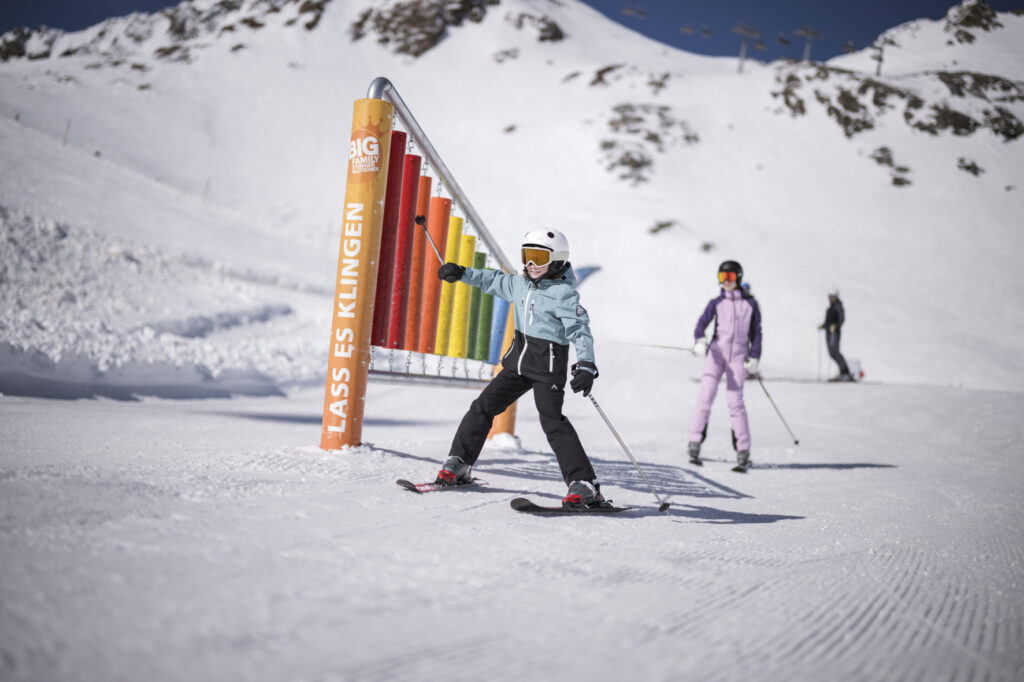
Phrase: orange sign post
{"type": "Point", "coordinates": [506, 421]}
{"type": "Point", "coordinates": [349, 359]}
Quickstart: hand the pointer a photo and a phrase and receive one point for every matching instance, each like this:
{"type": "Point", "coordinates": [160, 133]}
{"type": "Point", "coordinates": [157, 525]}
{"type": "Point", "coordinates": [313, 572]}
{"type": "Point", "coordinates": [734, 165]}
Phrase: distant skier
{"type": "Point", "coordinates": [833, 325]}
{"type": "Point", "coordinates": [548, 316]}
{"type": "Point", "coordinates": [734, 350]}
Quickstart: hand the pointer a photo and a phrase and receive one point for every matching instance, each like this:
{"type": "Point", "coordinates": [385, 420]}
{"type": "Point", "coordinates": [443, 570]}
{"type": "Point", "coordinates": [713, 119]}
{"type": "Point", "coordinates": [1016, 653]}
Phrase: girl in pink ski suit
{"type": "Point", "coordinates": [735, 349]}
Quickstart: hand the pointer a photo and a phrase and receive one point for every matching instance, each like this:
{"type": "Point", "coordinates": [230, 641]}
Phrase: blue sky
{"type": "Point", "coordinates": [711, 22]}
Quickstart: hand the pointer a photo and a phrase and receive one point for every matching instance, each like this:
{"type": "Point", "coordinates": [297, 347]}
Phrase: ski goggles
{"type": "Point", "coordinates": [723, 276]}
{"type": "Point", "coordinates": [536, 256]}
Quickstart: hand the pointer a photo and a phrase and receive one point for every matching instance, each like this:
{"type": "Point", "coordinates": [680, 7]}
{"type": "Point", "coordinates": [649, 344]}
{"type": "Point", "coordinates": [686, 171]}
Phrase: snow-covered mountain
{"type": "Point", "coordinates": [208, 140]}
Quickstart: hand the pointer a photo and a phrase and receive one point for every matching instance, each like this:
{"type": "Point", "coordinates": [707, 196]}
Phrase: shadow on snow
{"type": "Point", "coordinates": [721, 516]}
{"type": "Point", "coordinates": [668, 481]}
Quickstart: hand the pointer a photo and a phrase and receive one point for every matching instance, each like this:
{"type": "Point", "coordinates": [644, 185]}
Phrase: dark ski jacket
{"type": "Point", "coordinates": [835, 316]}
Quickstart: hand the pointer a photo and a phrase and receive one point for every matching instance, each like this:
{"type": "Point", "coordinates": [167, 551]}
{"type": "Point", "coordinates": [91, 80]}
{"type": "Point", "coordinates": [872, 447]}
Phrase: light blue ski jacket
{"type": "Point", "coordinates": [546, 311]}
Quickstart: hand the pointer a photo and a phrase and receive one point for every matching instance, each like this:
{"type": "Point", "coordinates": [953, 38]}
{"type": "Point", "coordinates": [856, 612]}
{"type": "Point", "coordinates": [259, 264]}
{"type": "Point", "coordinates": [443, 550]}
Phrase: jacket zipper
{"type": "Point", "coordinates": [732, 341]}
{"type": "Point", "coordinates": [529, 311]}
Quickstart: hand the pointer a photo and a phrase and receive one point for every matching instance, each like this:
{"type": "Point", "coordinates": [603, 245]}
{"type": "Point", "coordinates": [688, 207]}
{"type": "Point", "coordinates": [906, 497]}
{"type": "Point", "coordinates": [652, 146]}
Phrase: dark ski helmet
{"type": "Point", "coordinates": [730, 266]}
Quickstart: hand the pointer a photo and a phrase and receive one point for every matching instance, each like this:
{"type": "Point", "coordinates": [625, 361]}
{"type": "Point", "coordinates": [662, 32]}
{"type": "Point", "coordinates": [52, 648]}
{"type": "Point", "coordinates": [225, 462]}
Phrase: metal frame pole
{"type": "Point", "coordinates": [382, 88]}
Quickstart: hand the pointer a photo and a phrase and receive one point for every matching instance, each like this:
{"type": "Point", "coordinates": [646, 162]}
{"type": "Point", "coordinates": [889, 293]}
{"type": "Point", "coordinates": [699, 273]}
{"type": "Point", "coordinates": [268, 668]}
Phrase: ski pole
{"type": "Point", "coordinates": [422, 223]}
{"type": "Point", "coordinates": [821, 340]}
{"type": "Point", "coordinates": [654, 345]}
{"type": "Point", "coordinates": [663, 506]}
{"type": "Point", "coordinates": [777, 411]}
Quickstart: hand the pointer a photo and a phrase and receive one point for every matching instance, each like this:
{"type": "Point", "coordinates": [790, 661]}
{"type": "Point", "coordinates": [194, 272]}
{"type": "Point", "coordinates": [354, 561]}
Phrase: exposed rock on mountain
{"type": "Point", "coordinates": [856, 101]}
{"type": "Point", "coordinates": [970, 15]}
{"type": "Point", "coordinates": [639, 131]}
{"type": "Point", "coordinates": [416, 26]}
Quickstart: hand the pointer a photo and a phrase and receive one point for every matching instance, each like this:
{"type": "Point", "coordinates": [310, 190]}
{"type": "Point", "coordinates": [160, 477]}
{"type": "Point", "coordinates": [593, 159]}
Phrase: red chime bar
{"type": "Point", "coordinates": [403, 252]}
{"type": "Point", "coordinates": [389, 231]}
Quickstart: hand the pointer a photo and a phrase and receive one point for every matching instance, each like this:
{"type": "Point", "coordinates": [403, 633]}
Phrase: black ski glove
{"type": "Point", "coordinates": [451, 272]}
{"type": "Point", "coordinates": [583, 380]}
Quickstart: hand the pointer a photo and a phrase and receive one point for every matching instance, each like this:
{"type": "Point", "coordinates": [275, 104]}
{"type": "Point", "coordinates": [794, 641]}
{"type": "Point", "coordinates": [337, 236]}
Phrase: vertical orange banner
{"type": "Point", "coordinates": [348, 363]}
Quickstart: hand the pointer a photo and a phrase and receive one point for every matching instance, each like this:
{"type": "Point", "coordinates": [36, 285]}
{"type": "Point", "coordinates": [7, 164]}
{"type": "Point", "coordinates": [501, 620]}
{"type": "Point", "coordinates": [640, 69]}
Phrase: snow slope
{"type": "Point", "coordinates": [886, 546]}
{"type": "Point", "coordinates": [169, 197]}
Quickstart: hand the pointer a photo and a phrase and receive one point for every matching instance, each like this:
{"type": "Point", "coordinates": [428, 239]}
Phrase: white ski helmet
{"type": "Point", "coordinates": [550, 239]}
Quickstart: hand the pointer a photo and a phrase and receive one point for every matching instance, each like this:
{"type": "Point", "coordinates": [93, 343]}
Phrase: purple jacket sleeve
{"type": "Point", "coordinates": [755, 329]}
{"type": "Point", "coordinates": [705, 319]}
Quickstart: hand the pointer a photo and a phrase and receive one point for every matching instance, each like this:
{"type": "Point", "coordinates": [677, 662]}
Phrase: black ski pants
{"type": "Point", "coordinates": [504, 390]}
{"type": "Point", "coordinates": [832, 339]}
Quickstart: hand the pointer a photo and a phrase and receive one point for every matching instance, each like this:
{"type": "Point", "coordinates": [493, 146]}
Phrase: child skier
{"type": "Point", "coordinates": [548, 316]}
{"type": "Point", "coordinates": [734, 350]}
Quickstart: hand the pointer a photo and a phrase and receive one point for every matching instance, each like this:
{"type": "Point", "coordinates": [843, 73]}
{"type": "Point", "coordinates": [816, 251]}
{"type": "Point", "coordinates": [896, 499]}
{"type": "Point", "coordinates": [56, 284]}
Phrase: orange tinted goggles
{"type": "Point", "coordinates": [723, 276]}
{"type": "Point", "coordinates": [539, 257]}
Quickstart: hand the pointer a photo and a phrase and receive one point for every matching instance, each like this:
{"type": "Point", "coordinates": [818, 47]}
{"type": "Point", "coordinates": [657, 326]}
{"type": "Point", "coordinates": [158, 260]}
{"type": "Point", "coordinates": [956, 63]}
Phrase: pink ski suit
{"type": "Point", "coordinates": [737, 336]}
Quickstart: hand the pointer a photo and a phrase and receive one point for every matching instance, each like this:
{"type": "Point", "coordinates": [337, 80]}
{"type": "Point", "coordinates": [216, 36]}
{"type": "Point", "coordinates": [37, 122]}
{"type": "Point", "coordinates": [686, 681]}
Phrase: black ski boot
{"type": "Point", "coordinates": [742, 461]}
{"type": "Point", "coordinates": [454, 472]}
{"type": "Point", "coordinates": [583, 494]}
{"type": "Point", "coordinates": [694, 449]}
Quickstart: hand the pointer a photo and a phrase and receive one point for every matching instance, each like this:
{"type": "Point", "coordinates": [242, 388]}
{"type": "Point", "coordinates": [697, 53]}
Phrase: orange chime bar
{"type": "Point", "coordinates": [418, 261]}
{"type": "Point", "coordinates": [437, 223]}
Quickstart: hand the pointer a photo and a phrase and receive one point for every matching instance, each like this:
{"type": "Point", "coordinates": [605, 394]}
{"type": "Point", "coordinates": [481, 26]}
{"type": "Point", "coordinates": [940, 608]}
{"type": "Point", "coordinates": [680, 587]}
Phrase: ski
{"type": "Point", "coordinates": [435, 486]}
{"type": "Point", "coordinates": [521, 504]}
{"type": "Point", "coordinates": [740, 469]}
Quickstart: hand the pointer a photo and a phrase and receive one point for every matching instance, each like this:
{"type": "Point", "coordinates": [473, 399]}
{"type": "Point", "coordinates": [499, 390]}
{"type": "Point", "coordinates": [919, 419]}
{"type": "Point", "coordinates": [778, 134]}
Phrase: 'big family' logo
{"type": "Point", "coordinates": [364, 150]}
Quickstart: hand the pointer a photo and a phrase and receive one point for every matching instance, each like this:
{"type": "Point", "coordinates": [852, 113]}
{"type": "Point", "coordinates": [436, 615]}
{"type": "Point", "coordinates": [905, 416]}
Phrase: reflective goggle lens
{"type": "Point", "coordinates": [539, 257]}
{"type": "Point", "coordinates": [731, 276]}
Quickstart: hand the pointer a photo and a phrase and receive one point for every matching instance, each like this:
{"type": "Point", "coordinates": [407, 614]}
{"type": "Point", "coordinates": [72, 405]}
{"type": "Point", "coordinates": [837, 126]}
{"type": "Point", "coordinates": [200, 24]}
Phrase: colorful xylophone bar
{"type": "Point", "coordinates": [413, 309]}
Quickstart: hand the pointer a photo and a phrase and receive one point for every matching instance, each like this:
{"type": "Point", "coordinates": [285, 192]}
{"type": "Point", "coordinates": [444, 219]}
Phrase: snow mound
{"type": "Point", "coordinates": [86, 314]}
